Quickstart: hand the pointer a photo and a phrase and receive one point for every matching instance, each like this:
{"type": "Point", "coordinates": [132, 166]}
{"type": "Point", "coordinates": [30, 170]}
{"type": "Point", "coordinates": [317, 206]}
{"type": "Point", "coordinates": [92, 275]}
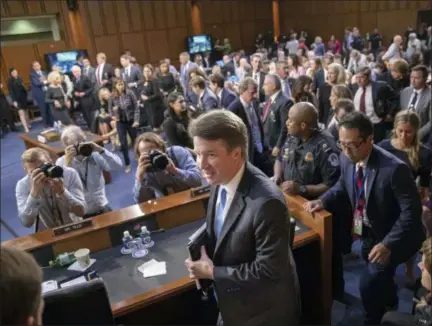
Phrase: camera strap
{"type": "Point", "coordinates": [84, 180]}
{"type": "Point", "coordinates": [55, 211]}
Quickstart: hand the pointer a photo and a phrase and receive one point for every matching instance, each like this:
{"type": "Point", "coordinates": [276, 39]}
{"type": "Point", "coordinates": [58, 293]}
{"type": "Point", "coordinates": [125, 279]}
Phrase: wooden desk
{"type": "Point", "coordinates": [56, 149]}
{"type": "Point", "coordinates": [174, 211]}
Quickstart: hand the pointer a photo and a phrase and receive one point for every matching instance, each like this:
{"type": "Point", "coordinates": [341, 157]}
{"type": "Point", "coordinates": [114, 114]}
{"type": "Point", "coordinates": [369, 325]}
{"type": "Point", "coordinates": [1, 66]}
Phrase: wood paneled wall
{"type": "Point", "coordinates": [240, 21]}
{"type": "Point", "coordinates": [325, 18]}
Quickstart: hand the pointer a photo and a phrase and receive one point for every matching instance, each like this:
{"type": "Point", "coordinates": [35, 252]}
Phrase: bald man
{"type": "Point", "coordinates": [84, 100]}
{"type": "Point", "coordinates": [394, 52]}
{"type": "Point", "coordinates": [308, 165]}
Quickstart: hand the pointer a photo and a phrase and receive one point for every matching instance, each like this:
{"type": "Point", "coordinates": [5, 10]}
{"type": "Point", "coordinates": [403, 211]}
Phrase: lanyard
{"type": "Point", "coordinates": [84, 180]}
{"type": "Point", "coordinates": [362, 186]}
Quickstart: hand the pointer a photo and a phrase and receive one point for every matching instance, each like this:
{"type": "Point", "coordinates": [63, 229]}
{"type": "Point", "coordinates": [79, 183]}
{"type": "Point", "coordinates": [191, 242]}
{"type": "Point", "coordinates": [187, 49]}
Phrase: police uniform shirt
{"type": "Point", "coordinates": [312, 162]}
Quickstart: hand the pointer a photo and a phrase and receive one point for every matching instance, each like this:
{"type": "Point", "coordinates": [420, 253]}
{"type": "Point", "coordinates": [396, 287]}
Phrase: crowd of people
{"type": "Point", "coordinates": [322, 121]}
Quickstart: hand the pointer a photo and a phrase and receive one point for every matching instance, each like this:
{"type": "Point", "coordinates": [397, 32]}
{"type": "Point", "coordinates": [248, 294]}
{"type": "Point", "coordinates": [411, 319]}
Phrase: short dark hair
{"type": "Point", "coordinates": [357, 120]}
{"type": "Point", "coordinates": [217, 79]}
{"type": "Point", "coordinates": [344, 104]}
{"type": "Point", "coordinates": [198, 81]}
{"type": "Point", "coordinates": [364, 70]}
{"type": "Point", "coordinates": [231, 130]}
{"type": "Point", "coordinates": [423, 69]}
{"type": "Point", "coordinates": [20, 286]}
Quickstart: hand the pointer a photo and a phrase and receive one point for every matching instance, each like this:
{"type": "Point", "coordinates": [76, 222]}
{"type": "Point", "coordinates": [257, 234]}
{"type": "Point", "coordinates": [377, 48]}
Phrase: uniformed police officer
{"type": "Point", "coordinates": [308, 165]}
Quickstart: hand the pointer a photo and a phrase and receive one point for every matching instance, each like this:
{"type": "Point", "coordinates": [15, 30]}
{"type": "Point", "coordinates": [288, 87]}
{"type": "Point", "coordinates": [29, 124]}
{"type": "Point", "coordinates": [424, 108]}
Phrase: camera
{"type": "Point", "coordinates": [52, 171]}
{"type": "Point", "coordinates": [158, 160]}
{"type": "Point", "coordinates": [84, 149]}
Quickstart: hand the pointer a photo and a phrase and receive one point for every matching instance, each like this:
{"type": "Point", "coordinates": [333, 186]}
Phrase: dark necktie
{"type": "Point", "coordinates": [267, 109]}
{"type": "Point", "coordinates": [413, 102]}
{"type": "Point", "coordinates": [360, 184]}
{"type": "Point", "coordinates": [363, 101]}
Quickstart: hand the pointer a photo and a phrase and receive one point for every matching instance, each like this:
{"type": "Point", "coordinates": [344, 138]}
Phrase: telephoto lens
{"type": "Point", "coordinates": [52, 171]}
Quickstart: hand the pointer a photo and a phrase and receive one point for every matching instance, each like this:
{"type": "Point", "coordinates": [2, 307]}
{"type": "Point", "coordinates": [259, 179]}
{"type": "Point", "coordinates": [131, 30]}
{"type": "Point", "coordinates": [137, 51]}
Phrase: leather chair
{"type": "Point", "coordinates": [83, 304]}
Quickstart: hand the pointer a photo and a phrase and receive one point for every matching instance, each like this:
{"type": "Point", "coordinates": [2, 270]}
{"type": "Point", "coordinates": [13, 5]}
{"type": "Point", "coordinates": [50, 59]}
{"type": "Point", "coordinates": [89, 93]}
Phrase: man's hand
{"type": "Point", "coordinates": [144, 98]}
{"type": "Point", "coordinates": [313, 206]}
{"type": "Point", "coordinates": [15, 104]}
{"type": "Point", "coordinates": [57, 186]}
{"type": "Point", "coordinates": [202, 268]}
{"type": "Point", "coordinates": [68, 104]}
{"type": "Point", "coordinates": [38, 181]}
{"type": "Point", "coordinates": [135, 124]}
{"type": "Point", "coordinates": [379, 254]}
{"type": "Point", "coordinates": [70, 153]}
{"type": "Point", "coordinates": [143, 165]}
{"type": "Point", "coordinates": [57, 104]}
{"type": "Point", "coordinates": [275, 152]}
{"type": "Point", "coordinates": [171, 168]}
{"type": "Point", "coordinates": [96, 147]}
{"type": "Point", "coordinates": [290, 188]}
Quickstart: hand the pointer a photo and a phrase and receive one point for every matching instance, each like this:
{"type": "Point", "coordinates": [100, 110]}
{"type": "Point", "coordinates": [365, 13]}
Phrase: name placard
{"type": "Point", "coordinates": [200, 191]}
{"type": "Point", "coordinates": [72, 227]}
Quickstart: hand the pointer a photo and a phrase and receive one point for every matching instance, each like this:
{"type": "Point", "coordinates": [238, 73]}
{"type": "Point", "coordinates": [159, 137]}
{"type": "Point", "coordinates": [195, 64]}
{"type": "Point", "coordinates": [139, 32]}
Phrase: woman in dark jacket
{"type": "Point", "coordinates": [126, 113]}
{"type": "Point", "coordinates": [177, 122]}
{"type": "Point", "coordinates": [18, 94]}
{"type": "Point", "coordinates": [6, 115]}
{"type": "Point", "coordinates": [152, 98]}
{"type": "Point", "coordinates": [166, 80]}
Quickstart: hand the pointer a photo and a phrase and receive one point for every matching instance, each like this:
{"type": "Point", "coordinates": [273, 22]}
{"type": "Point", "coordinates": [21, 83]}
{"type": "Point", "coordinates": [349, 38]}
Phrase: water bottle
{"type": "Point", "coordinates": [126, 250]}
{"type": "Point", "coordinates": [146, 238]}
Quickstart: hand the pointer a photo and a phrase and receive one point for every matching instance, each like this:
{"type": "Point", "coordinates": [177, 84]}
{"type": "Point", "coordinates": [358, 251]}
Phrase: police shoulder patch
{"type": "Point", "coordinates": [333, 159]}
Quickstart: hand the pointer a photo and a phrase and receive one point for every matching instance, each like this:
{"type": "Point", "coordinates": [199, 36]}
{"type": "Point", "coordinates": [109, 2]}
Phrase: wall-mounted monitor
{"type": "Point", "coordinates": [199, 43]}
{"type": "Point", "coordinates": [66, 60]}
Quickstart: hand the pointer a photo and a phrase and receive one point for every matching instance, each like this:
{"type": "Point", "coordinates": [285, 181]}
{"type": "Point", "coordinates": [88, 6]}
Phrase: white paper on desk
{"type": "Point", "coordinates": [76, 267]}
{"type": "Point", "coordinates": [48, 286]}
{"type": "Point", "coordinates": [153, 268]}
{"type": "Point", "coordinates": [73, 282]}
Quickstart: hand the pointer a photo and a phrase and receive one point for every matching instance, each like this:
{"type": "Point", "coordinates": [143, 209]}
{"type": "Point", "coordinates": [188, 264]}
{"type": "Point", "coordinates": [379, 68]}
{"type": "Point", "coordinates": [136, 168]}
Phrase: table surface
{"type": "Point", "coordinates": [120, 272]}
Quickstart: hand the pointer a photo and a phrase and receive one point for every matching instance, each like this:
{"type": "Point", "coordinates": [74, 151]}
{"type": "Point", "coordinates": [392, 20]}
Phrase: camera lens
{"type": "Point", "coordinates": [85, 149]}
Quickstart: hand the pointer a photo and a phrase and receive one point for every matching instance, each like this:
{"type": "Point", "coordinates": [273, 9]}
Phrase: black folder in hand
{"type": "Point", "coordinates": [196, 241]}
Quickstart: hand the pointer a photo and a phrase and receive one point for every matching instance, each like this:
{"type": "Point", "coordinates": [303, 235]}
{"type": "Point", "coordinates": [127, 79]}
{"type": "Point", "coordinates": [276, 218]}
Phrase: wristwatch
{"type": "Point", "coordinates": [303, 190]}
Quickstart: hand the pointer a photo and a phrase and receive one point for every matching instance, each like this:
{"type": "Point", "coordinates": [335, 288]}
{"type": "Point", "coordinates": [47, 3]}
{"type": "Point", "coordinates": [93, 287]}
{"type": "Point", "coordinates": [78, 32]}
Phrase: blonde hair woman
{"type": "Point", "coordinates": [57, 99]}
{"type": "Point", "coordinates": [405, 144]}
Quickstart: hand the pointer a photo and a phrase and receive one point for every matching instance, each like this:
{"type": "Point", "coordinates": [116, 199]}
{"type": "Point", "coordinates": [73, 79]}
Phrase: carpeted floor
{"type": "Point", "coordinates": [119, 193]}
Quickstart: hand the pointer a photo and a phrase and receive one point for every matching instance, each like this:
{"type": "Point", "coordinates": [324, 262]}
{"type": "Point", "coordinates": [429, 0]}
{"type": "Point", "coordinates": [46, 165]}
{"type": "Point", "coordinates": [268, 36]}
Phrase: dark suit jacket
{"type": "Point", "coordinates": [254, 274]}
{"type": "Point", "coordinates": [107, 74]}
{"type": "Point", "coordinates": [392, 201]}
{"type": "Point", "coordinates": [84, 84]}
{"type": "Point", "coordinates": [318, 80]}
{"type": "Point", "coordinates": [261, 93]}
{"type": "Point", "coordinates": [384, 98]}
{"type": "Point", "coordinates": [237, 108]}
{"type": "Point", "coordinates": [229, 68]}
{"type": "Point", "coordinates": [208, 101]}
{"type": "Point", "coordinates": [276, 118]}
{"type": "Point", "coordinates": [135, 76]}
{"type": "Point", "coordinates": [38, 88]}
{"type": "Point", "coordinates": [227, 97]}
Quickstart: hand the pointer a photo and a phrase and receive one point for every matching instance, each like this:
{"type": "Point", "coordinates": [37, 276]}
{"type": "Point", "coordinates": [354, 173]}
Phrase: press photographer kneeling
{"type": "Point", "coordinates": [162, 171]}
{"type": "Point", "coordinates": [49, 195]}
{"type": "Point", "coordinates": [89, 160]}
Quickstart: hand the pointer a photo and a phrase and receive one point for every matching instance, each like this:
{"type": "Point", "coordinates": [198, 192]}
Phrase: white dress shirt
{"type": "Point", "coordinates": [100, 71]}
{"type": "Point", "coordinates": [231, 188]}
{"type": "Point", "coordinates": [369, 105]}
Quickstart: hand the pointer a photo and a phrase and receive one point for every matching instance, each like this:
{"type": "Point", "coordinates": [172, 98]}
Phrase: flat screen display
{"type": "Point", "coordinates": [199, 43]}
{"type": "Point", "coordinates": [66, 60]}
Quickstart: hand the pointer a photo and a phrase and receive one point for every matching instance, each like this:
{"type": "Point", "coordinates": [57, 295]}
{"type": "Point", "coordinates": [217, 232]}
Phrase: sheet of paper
{"type": "Point", "coordinates": [153, 268]}
{"type": "Point", "coordinates": [148, 265]}
{"type": "Point", "coordinates": [73, 282]}
{"type": "Point", "coordinates": [48, 286]}
{"type": "Point", "coordinates": [76, 267]}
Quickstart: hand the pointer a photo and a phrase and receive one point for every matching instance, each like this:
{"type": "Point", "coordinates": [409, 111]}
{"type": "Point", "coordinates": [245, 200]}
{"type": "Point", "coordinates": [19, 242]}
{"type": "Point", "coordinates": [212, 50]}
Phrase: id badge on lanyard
{"type": "Point", "coordinates": [359, 211]}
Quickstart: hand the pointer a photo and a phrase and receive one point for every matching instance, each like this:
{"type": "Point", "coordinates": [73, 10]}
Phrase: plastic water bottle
{"type": "Point", "coordinates": [126, 239]}
{"type": "Point", "coordinates": [146, 238]}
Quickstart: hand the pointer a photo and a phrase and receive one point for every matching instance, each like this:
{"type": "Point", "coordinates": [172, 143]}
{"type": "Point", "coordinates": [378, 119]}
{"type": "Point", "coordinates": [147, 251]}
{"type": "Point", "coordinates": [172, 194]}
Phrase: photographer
{"type": "Point", "coordinates": [48, 195]}
{"type": "Point", "coordinates": [162, 171]}
{"type": "Point", "coordinates": [89, 160]}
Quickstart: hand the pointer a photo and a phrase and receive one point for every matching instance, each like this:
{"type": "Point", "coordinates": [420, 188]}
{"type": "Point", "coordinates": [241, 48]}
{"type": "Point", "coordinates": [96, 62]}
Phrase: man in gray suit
{"type": "Point", "coordinates": [89, 71]}
{"type": "Point", "coordinates": [185, 66]}
{"type": "Point", "coordinates": [417, 97]}
{"type": "Point", "coordinates": [247, 253]}
{"type": "Point", "coordinates": [131, 75]}
{"type": "Point", "coordinates": [207, 100]}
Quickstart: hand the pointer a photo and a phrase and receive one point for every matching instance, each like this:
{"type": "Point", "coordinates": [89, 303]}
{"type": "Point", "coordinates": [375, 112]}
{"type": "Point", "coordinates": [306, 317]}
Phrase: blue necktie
{"type": "Point", "coordinates": [219, 218]}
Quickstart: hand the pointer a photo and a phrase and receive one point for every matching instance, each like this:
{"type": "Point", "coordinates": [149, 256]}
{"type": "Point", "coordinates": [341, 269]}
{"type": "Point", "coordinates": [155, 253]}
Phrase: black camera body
{"type": "Point", "coordinates": [158, 160]}
{"type": "Point", "coordinates": [52, 171]}
{"type": "Point", "coordinates": [84, 149]}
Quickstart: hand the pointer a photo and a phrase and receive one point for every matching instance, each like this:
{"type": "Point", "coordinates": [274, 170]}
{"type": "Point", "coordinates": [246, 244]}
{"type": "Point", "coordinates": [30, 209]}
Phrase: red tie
{"type": "Point", "coordinates": [267, 109]}
{"type": "Point", "coordinates": [363, 101]}
{"type": "Point", "coordinates": [97, 75]}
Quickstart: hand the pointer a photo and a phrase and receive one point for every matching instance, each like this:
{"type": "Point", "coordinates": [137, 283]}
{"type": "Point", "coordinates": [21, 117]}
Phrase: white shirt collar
{"type": "Point", "coordinates": [273, 97]}
{"type": "Point", "coordinates": [363, 163]}
{"type": "Point", "coordinates": [220, 93]}
{"type": "Point", "coordinates": [202, 94]}
{"type": "Point", "coordinates": [231, 186]}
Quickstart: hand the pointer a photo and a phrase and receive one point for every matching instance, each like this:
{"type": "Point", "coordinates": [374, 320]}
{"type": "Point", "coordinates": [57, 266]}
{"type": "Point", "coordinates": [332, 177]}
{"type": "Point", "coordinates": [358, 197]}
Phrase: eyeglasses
{"type": "Point", "coordinates": [350, 146]}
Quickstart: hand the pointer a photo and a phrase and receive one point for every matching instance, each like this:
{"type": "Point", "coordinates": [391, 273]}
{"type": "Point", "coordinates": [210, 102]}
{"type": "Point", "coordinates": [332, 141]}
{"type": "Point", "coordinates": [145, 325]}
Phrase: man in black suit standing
{"type": "Point", "coordinates": [225, 96]}
{"type": "Point", "coordinates": [255, 284]}
{"type": "Point", "coordinates": [131, 75]}
{"type": "Point", "coordinates": [84, 100]}
{"type": "Point", "coordinates": [247, 108]}
{"type": "Point", "coordinates": [258, 75]}
{"type": "Point", "coordinates": [275, 111]}
{"type": "Point", "coordinates": [104, 72]}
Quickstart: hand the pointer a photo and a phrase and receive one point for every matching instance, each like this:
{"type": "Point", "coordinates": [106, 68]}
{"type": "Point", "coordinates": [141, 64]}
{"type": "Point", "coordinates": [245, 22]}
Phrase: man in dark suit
{"type": "Point", "coordinates": [39, 84]}
{"type": "Point", "coordinates": [131, 75]}
{"type": "Point", "coordinates": [104, 72]}
{"type": "Point", "coordinates": [228, 68]}
{"type": "Point", "coordinates": [247, 108]}
{"type": "Point", "coordinates": [84, 99]}
{"type": "Point", "coordinates": [275, 110]}
{"type": "Point", "coordinates": [225, 96]}
{"type": "Point", "coordinates": [255, 284]}
{"type": "Point", "coordinates": [206, 99]}
{"type": "Point", "coordinates": [89, 71]}
{"type": "Point", "coordinates": [258, 75]}
{"type": "Point", "coordinates": [377, 100]}
{"type": "Point", "coordinates": [387, 209]}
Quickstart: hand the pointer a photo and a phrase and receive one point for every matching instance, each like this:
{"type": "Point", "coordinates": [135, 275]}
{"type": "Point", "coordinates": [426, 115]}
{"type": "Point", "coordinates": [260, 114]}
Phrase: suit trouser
{"type": "Point", "coordinates": [46, 113]}
{"type": "Point", "coordinates": [377, 287]}
{"type": "Point", "coordinates": [123, 129]}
